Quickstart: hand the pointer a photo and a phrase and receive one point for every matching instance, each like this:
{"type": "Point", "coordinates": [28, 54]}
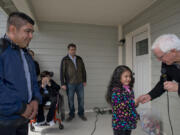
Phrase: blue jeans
{"type": "Point", "coordinates": [79, 90]}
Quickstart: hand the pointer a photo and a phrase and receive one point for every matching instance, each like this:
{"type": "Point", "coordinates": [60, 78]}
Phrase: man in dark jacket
{"type": "Point", "coordinates": [73, 78]}
{"type": "Point", "coordinates": [167, 49]}
{"type": "Point", "coordinates": [19, 91]}
{"type": "Point", "coordinates": [49, 90]}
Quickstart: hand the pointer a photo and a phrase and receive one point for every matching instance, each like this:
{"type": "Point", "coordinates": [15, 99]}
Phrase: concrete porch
{"type": "Point", "coordinates": [79, 127]}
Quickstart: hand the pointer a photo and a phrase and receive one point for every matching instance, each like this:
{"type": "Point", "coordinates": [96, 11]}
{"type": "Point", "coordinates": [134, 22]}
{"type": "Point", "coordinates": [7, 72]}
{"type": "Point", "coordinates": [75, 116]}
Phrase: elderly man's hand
{"type": "Point", "coordinates": [171, 86]}
{"type": "Point", "coordinates": [144, 98]}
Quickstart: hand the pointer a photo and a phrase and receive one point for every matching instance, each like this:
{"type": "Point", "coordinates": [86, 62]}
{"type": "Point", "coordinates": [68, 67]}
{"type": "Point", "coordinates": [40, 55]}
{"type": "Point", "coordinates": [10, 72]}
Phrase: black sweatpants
{"type": "Point", "coordinates": [122, 132]}
{"type": "Point", "coordinates": [50, 115]}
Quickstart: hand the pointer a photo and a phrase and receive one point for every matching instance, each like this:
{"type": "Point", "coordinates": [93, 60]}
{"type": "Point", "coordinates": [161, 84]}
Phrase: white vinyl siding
{"type": "Point", "coordinates": [3, 19]}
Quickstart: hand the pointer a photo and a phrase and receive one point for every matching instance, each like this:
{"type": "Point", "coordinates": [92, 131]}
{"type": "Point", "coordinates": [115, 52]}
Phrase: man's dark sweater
{"type": "Point", "coordinates": [172, 73]}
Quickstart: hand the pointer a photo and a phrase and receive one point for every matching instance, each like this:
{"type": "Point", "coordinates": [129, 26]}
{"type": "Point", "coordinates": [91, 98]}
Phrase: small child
{"type": "Point", "coordinates": [49, 90]}
{"type": "Point", "coordinates": [121, 96]}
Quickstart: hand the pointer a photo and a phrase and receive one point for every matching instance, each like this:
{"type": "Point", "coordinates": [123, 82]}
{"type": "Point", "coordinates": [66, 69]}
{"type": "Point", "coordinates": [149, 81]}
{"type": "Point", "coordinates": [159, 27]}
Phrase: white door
{"type": "Point", "coordinates": [141, 65]}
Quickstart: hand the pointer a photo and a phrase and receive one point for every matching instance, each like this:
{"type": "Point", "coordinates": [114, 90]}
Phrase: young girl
{"type": "Point", "coordinates": [121, 96]}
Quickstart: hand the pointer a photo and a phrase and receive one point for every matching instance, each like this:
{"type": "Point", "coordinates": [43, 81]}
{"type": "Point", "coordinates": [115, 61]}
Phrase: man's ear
{"type": "Point", "coordinates": [12, 29]}
{"type": "Point", "coordinates": [173, 52]}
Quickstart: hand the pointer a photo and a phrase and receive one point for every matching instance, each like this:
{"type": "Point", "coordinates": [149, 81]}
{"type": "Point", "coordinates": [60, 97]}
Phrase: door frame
{"type": "Point", "coordinates": [129, 48]}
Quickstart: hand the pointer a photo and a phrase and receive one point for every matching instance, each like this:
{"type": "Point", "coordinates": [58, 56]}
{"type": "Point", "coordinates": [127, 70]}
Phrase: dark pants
{"type": "Point", "coordinates": [122, 132]}
{"type": "Point", "coordinates": [52, 109]}
{"type": "Point", "coordinates": [79, 90]}
{"type": "Point", "coordinates": [14, 127]}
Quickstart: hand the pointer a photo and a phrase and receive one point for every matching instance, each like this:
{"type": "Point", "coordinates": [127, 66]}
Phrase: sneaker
{"type": "Point", "coordinates": [48, 103]}
{"type": "Point", "coordinates": [83, 118]}
{"type": "Point", "coordinates": [51, 123]}
{"type": "Point", "coordinates": [39, 123]}
{"type": "Point", "coordinates": [69, 119]}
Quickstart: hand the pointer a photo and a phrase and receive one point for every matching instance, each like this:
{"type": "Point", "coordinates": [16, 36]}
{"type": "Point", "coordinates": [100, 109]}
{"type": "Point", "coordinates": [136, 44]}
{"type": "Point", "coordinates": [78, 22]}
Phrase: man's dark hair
{"type": "Point", "coordinates": [71, 45]}
{"type": "Point", "coordinates": [18, 19]}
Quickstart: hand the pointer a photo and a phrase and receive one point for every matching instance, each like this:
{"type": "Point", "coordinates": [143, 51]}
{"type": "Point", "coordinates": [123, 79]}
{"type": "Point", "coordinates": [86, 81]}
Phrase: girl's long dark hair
{"type": "Point", "coordinates": [115, 81]}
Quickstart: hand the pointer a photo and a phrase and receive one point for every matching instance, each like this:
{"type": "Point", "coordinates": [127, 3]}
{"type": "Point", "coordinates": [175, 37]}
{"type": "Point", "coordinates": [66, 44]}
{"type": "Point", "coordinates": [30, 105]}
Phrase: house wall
{"type": "Point", "coordinates": [3, 19]}
{"type": "Point", "coordinates": [97, 45]}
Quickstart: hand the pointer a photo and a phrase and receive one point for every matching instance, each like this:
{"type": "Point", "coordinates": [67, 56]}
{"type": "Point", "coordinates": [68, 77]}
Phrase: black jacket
{"type": "Point", "coordinates": [171, 72]}
{"type": "Point", "coordinates": [68, 72]}
{"type": "Point", "coordinates": [53, 90]}
{"type": "Point", "coordinates": [37, 68]}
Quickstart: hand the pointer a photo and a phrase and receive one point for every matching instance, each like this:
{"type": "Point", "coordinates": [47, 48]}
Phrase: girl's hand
{"type": "Point", "coordinates": [136, 102]}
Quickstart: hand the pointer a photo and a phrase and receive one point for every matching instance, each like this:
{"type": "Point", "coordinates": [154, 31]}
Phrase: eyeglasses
{"type": "Point", "coordinates": [160, 58]}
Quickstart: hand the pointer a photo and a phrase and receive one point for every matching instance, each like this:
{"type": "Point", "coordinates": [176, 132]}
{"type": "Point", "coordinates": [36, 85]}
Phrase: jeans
{"type": "Point", "coordinates": [122, 132]}
{"type": "Point", "coordinates": [14, 127]}
{"type": "Point", "coordinates": [79, 90]}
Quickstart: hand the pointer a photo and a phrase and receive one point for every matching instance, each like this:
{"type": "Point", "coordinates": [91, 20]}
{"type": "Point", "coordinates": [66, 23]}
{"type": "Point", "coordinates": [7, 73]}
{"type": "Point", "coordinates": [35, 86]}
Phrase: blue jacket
{"type": "Point", "coordinates": [13, 85]}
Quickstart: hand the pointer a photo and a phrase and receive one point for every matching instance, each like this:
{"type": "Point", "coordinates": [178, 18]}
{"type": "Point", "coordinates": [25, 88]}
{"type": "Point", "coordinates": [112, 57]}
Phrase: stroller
{"type": "Point", "coordinates": [60, 111]}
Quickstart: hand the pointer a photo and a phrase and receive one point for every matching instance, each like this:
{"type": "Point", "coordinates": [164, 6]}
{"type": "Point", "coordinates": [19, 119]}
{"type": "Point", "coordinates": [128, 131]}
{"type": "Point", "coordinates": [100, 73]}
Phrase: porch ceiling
{"type": "Point", "coordinates": [100, 12]}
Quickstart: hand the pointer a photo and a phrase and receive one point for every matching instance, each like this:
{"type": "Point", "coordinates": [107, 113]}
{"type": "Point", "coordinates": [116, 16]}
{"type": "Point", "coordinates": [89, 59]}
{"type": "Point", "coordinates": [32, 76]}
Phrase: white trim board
{"type": "Point", "coordinates": [129, 47]}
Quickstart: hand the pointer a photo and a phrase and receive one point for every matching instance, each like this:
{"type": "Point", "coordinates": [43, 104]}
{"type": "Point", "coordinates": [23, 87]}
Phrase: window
{"type": "Point", "coordinates": [142, 47]}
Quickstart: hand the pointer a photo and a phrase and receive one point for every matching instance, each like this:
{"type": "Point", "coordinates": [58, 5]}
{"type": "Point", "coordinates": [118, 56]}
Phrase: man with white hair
{"type": "Point", "coordinates": [166, 48]}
